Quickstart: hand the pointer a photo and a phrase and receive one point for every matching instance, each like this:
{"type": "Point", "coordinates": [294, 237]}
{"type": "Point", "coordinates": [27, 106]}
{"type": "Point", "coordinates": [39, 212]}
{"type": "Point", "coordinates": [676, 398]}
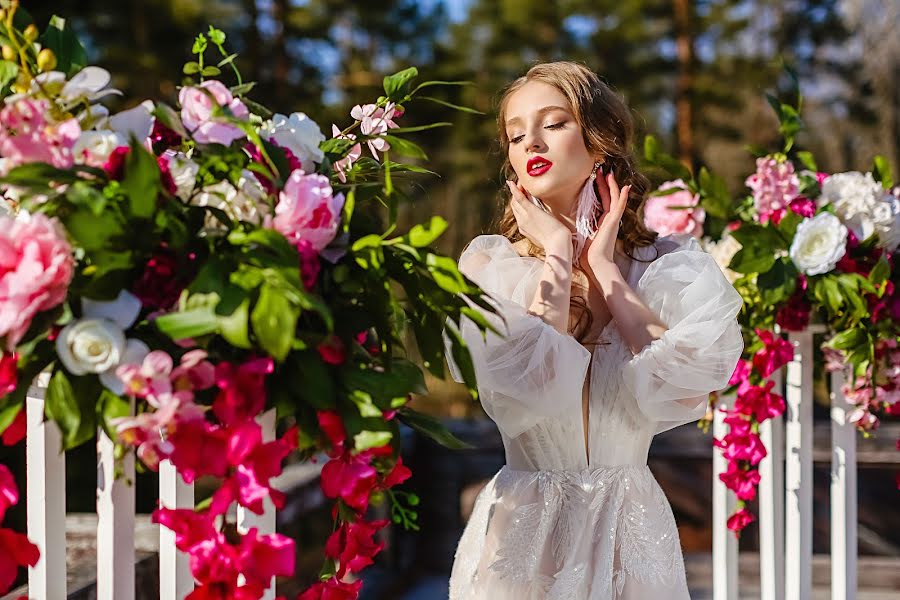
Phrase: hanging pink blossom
{"type": "Point", "coordinates": [741, 481]}
{"type": "Point", "coordinates": [242, 393]}
{"type": "Point", "coordinates": [739, 520]}
{"type": "Point", "coordinates": [776, 353]}
{"type": "Point", "coordinates": [332, 589]}
{"type": "Point", "coordinates": [353, 547]}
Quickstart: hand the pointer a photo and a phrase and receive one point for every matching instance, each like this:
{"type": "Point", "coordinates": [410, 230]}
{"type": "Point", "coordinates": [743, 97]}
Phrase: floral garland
{"type": "Point", "coordinates": [803, 244]}
{"type": "Point", "coordinates": [207, 263]}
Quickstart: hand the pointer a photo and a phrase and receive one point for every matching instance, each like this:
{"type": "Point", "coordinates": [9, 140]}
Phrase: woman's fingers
{"type": "Point", "coordinates": [605, 199]}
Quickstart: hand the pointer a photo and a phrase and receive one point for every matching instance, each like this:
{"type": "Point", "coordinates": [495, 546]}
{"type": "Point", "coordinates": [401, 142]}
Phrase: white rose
{"type": "Point", "coordinates": [96, 343]}
{"type": "Point", "coordinates": [864, 206]}
{"type": "Point", "coordinates": [299, 134]}
{"type": "Point", "coordinates": [94, 147]}
{"type": "Point", "coordinates": [184, 173]}
{"type": "Point", "coordinates": [819, 244]}
{"type": "Point", "coordinates": [247, 204]}
{"type": "Point", "coordinates": [723, 251]}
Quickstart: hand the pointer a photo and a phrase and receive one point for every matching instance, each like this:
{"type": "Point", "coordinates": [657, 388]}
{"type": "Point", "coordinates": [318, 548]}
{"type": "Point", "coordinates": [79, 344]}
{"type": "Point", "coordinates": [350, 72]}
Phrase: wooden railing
{"type": "Point", "coordinates": [785, 491]}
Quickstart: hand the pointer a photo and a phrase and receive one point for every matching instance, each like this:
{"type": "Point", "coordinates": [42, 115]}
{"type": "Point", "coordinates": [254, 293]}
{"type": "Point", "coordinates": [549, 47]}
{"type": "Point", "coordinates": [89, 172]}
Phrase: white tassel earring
{"type": "Point", "coordinates": [586, 216]}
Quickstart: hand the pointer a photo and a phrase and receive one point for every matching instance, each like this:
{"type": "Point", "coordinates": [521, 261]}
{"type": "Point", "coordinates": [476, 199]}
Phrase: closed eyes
{"type": "Point", "coordinates": [519, 138]}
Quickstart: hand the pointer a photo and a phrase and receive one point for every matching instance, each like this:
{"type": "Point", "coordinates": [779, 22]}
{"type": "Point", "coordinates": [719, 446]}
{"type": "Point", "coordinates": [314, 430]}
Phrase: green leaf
{"type": "Point", "coordinates": [881, 171]}
{"type": "Point", "coordinates": [715, 198]}
{"type": "Point", "coordinates": [395, 85]}
{"type": "Point", "coordinates": [849, 339]}
{"type": "Point", "coordinates": [421, 236]}
{"type": "Point", "coordinates": [211, 71]}
{"type": "Point", "coordinates": [371, 439]}
{"type": "Point", "coordinates": [446, 273]}
{"type": "Point", "coordinates": [8, 72]}
{"type": "Point", "coordinates": [651, 149]}
{"type": "Point", "coordinates": [405, 147]}
{"type": "Point", "coordinates": [807, 159]}
{"type": "Point", "coordinates": [70, 54]}
{"type": "Point", "coordinates": [168, 117]}
{"type": "Point", "coordinates": [753, 259]}
{"type": "Point", "coordinates": [191, 68]}
{"type": "Point", "coordinates": [274, 321]}
{"type": "Point", "coordinates": [93, 232]}
{"type": "Point", "coordinates": [778, 283]}
{"type": "Point", "coordinates": [112, 406]}
{"type": "Point", "coordinates": [188, 323]}
{"type": "Point", "coordinates": [142, 181]}
{"type": "Point", "coordinates": [309, 378]}
{"type": "Point", "coordinates": [458, 107]}
{"type": "Point", "coordinates": [71, 404]}
{"type": "Point", "coordinates": [880, 272]}
{"type": "Point", "coordinates": [432, 428]}
{"type": "Point", "coordinates": [234, 327]}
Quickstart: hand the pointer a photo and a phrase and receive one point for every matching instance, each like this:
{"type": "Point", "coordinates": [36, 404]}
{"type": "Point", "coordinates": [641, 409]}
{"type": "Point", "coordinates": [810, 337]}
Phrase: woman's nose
{"type": "Point", "coordinates": [533, 142]}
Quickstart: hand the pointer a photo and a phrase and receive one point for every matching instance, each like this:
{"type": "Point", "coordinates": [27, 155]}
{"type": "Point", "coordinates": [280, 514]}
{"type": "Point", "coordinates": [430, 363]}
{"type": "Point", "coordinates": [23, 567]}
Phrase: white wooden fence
{"type": "Point", "coordinates": [46, 507]}
{"type": "Point", "coordinates": [785, 492]}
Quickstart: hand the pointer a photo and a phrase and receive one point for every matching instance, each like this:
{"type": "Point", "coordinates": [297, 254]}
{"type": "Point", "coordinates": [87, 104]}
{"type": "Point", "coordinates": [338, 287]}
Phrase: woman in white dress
{"type": "Point", "coordinates": [612, 336]}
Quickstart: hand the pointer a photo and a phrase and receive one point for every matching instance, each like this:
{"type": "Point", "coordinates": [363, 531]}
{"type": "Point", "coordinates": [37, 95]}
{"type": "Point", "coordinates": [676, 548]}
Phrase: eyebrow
{"type": "Point", "coordinates": [541, 111]}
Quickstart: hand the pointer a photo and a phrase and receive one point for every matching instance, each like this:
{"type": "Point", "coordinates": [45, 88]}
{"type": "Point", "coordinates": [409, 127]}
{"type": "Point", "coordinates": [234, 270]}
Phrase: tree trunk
{"type": "Point", "coordinates": [684, 43]}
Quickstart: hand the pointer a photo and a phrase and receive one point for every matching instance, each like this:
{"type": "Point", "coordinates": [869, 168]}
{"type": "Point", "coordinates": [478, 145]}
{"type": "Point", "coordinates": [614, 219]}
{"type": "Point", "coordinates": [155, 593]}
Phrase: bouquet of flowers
{"type": "Point", "coordinates": [802, 245]}
{"type": "Point", "coordinates": [176, 271]}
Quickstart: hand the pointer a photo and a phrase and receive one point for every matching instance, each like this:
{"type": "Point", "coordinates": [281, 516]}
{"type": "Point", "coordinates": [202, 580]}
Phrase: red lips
{"type": "Point", "coordinates": [537, 166]}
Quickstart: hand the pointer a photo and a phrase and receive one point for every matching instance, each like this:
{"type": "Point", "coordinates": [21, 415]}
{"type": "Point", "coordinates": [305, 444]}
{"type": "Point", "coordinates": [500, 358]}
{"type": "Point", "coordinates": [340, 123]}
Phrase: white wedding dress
{"type": "Point", "coordinates": [554, 523]}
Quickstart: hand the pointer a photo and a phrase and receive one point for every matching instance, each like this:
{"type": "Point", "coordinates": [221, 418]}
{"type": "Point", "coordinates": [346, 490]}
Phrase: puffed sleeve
{"type": "Point", "coordinates": [671, 378]}
{"type": "Point", "coordinates": [534, 371]}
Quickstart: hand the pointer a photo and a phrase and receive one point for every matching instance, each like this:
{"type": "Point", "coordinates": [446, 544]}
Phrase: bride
{"type": "Point", "coordinates": [612, 335]}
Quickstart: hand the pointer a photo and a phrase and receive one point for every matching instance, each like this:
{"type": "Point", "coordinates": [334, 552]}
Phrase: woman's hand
{"type": "Point", "coordinates": [599, 249]}
{"type": "Point", "coordinates": [538, 226]}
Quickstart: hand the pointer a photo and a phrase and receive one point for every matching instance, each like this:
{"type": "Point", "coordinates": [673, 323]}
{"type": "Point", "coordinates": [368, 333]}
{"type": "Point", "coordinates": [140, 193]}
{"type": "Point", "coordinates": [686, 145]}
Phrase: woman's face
{"type": "Point", "coordinates": [546, 146]}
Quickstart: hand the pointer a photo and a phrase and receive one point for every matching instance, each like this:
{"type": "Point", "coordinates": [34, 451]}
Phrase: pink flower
{"type": "Point", "coordinates": [16, 550]}
{"type": "Point", "coordinates": [332, 589]}
{"type": "Point", "coordinates": [676, 212]}
{"type": "Point", "coordinates": [350, 478]}
{"type": "Point", "coordinates": [803, 206]}
{"type": "Point", "coordinates": [150, 431]}
{"type": "Point", "coordinates": [794, 316]}
{"type": "Point", "coordinates": [16, 431]}
{"type": "Point", "coordinates": [190, 527]}
{"type": "Point", "coordinates": [28, 135]}
{"type": "Point", "coordinates": [343, 165]}
{"type": "Point", "coordinates": [8, 372]}
{"type": "Point", "coordinates": [242, 392]}
{"type": "Point", "coordinates": [741, 375]}
{"type": "Point", "coordinates": [194, 372]}
{"type": "Point", "coordinates": [741, 481]}
{"type": "Point", "coordinates": [399, 473]}
{"type": "Point", "coordinates": [760, 402]}
{"type": "Point", "coordinates": [161, 283]}
{"type": "Point", "coordinates": [353, 547]}
{"type": "Point", "coordinates": [198, 105]}
{"type": "Point", "coordinates": [36, 267]}
{"type": "Point", "coordinates": [115, 164]}
{"type": "Point", "coordinates": [776, 353]}
{"type": "Point", "coordinates": [263, 557]}
{"type": "Point", "coordinates": [774, 185]}
{"type": "Point", "coordinates": [375, 121]}
{"type": "Point", "coordinates": [333, 427]}
{"type": "Point", "coordinates": [199, 448]}
{"type": "Point", "coordinates": [332, 350]}
{"type": "Point", "coordinates": [151, 377]}
{"type": "Point", "coordinates": [309, 264]}
{"type": "Point", "coordinates": [739, 520]}
{"type": "Point", "coordinates": [9, 492]}
{"type": "Point", "coordinates": [737, 423]}
{"type": "Point", "coordinates": [746, 447]}
{"type": "Point", "coordinates": [308, 210]}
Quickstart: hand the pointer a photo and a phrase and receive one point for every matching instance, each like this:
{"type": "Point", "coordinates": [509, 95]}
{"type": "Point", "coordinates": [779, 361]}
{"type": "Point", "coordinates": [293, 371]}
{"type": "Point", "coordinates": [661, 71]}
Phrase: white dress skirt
{"type": "Point", "coordinates": [565, 522]}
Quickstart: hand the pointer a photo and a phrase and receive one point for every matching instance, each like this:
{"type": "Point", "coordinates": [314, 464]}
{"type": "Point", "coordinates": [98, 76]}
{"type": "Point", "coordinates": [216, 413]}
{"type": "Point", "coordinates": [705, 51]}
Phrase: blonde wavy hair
{"type": "Point", "coordinates": [608, 129]}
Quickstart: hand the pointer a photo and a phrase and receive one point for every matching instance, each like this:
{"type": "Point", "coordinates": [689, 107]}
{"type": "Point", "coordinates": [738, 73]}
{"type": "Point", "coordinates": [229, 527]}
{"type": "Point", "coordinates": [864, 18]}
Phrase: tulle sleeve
{"type": "Point", "coordinates": [532, 373]}
{"type": "Point", "coordinates": [671, 378]}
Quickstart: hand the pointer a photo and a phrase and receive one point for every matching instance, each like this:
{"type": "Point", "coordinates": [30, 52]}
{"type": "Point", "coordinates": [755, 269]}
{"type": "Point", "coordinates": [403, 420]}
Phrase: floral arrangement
{"type": "Point", "coordinates": [802, 246]}
{"type": "Point", "coordinates": [176, 271]}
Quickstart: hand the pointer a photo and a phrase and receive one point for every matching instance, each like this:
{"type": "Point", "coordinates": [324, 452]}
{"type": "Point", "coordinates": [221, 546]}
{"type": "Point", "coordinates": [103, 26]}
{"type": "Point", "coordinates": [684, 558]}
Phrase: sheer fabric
{"type": "Point", "coordinates": [560, 521]}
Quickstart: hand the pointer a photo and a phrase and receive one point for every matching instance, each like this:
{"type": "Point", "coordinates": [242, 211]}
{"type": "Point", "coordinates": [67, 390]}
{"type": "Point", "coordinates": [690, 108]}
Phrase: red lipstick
{"type": "Point", "coordinates": [537, 166]}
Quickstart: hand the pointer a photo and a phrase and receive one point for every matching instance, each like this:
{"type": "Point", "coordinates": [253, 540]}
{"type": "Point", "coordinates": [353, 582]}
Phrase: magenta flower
{"type": "Point", "coordinates": [676, 212]}
{"type": "Point", "coordinates": [308, 210]}
{"type": "Point", "coordinates": [198, 449]}
{"type": "Point", "coordinates": [263, 557]}
{"type": "Point", "coordinates": [741, 375]}
{"type": "Point", "coordinates": [741, 481]}
{"type": "Point", "coordinates": [15, 431]}
{"type": "Point", "coordinates": [194, 372]}
{"type": "Point", "coordinates": [150, 431]}
{"type": "Point", "coordinates": [350, 478]}
{"type": "Point", "coordinates": [774, 185]}
{"type": "Point", "coordinates": [352, 546]}
{"type": "Point", "coordinates": [803, 206]}
{"type": "Point", "coordinates": [9, 362]}
{"type": "Point", "coordinates": [332, 589]}
{"type": "Point", "coordinates": [36, 267]}
{"type": "Point", "coordinates": [198, 105]}
{"type": "Point", "coordinates": [739, 520]}
{"type": "Point", "coordinates": [242, 393]}
{"type": "Point", "coordinates": [310, 264]}
{"type": "Point", "coordinates": [333, 427]}
{"type": "Point", "coordinates": [746, 447]}
{"type": "Point", "coordinates": [794, 315]}
{"type": "Point", "coordinates": [190, 527]}
{"type": "Point", "coordinates": [776, 353]}
{"type": "Point", "coordinates": [28, 135]}
{"type": "Point", "coordinates": [760, 402]}
{"type": "Point", "coordinates": [16, 550]}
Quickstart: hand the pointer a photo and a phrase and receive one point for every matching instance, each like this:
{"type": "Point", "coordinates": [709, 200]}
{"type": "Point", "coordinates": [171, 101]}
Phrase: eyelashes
{"type": "Point", "coordinates": [519, 138]}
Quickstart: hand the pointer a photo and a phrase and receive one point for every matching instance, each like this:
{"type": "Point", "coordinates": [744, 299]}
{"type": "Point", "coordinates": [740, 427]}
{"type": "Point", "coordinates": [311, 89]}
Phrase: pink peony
{"type": "Point", "coordinates": [774, 185]}
{"type": "Point", "coordinates": [308, 210]}
{"type": "Point", "coordinates": [36, 267]}
{"type": "Point", "coordinates": [677, 212]}
{"type": "Point", "coordinates": [28, 135]}
{"type": "Point", "coordinates": [197, 107]}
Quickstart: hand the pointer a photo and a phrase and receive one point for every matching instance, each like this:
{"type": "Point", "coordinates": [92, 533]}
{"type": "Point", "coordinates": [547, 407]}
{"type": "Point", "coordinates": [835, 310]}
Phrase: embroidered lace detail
{"type": "Point", "coordinates": [571, 535]}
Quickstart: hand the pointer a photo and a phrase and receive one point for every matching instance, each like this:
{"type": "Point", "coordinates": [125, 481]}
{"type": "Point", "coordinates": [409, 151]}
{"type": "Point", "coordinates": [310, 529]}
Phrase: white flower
{"type": "Point", "coordinates": [94, 147]}
{"type": "Point", "coordinates": [248, 203]}
{"type": "Point", "coordinates": [184, 173]}
{"type": "Point", "coordinates": [864, 206]}
{"type": "Point", "coordinates": [87, 84]}
{"type": "Point", "coordinates": [96, 343]}
{"type": "Point", "coordinates": [723, 251]}
{"type": "Point", "coordinates": [6, 209]}
{"type": "Point", "coordinates": [299, 134]}
{"type": "Point", "coordinates": [137, 121]}
{"type": "Point", "coordinates": [820, 242]}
